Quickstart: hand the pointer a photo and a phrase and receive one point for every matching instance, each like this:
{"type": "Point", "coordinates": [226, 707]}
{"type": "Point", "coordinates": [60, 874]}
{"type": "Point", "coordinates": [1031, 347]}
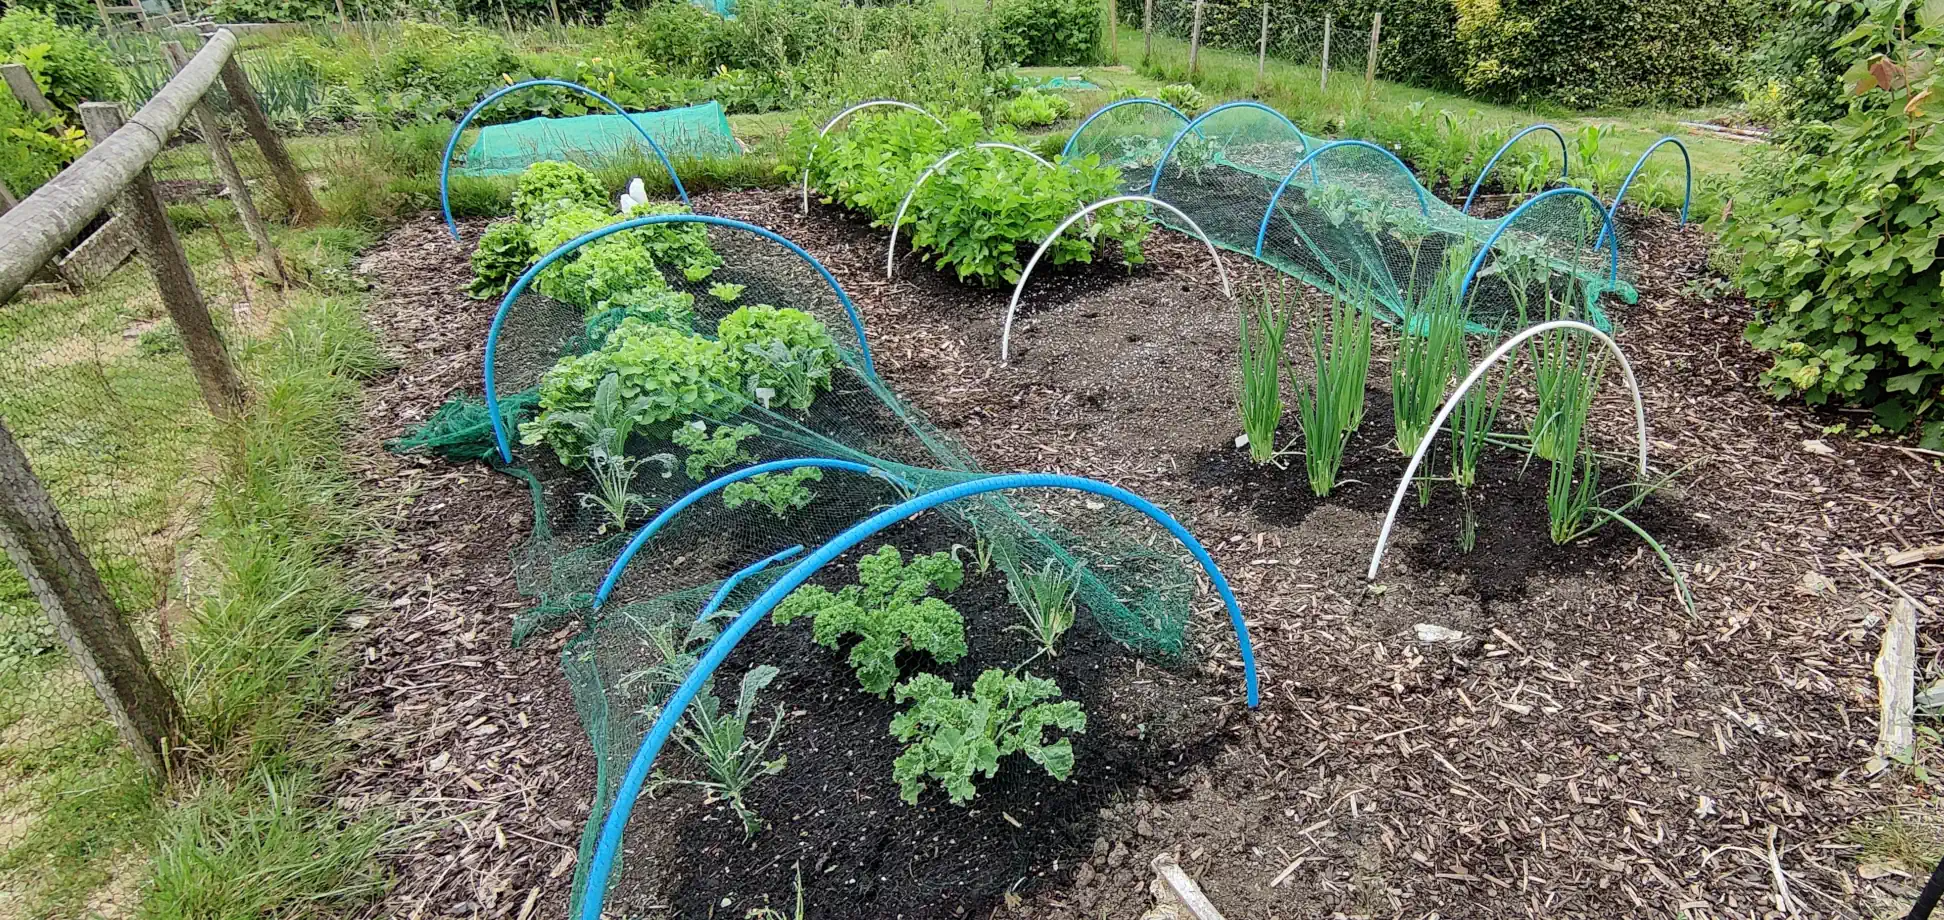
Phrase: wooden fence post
{"type": "Point", "coordinates": [219, 151]}
{"type": "Point", "coordinates": [174, 280]}
{"type": "Point", "coordinates": [1113, 31]}
{"type": "Point", "coordinates": [1147, 32]}
{"type": "Point", "coordinates": [7, 199]}
{"type": "Point", "coordinates": [68, 588]}
{"type": "Point", "coordinates": [1370, 63]}
{"type": "Point", "coordinates": [554, 7]}
{"type": "Point", "coordinates": [1262, 46]}
{"type": "Point", "coordinates": [1194, 38]}
{"type": "Point", "coordinates": [290, 183]}
{"type": "Point", "coordinates": [1325, 86]}
{"type": "Point", "coordinates": [25, 89]}
{"type": "Point", "coordinates": [101, 9]}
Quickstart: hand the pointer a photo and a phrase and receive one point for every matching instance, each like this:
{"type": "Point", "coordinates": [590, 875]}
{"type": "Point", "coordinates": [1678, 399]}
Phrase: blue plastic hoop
{"type": "Point", "coordinates": [678, 702]}
{"type": "Point", "coordinates": [1424, 203]}
{"type": "Point", "coordinates": [1478, 261]}
{"type": "Point", "coordinates": [445, 165]}
{"type": "Point", "coordinates": [729, 584]}
{"type": "Point", "coordinates": [1155, 182]}
{"type": "Point", "coordinates": [1565, 160]}
{"type": "Point", "coordinates": [1110, 107]}
{"type": "Point", "coordinates": [648, 530]}
{"type": "Point", "coordinates": [1687, 197]}
{"type": "Point", "coordinates": [520, 286]}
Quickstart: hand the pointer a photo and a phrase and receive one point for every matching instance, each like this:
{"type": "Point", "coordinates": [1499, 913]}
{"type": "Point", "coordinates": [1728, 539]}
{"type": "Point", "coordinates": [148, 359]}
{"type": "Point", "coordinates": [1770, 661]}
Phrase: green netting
{"type": "Point", "coordinates": [1130, 136]}
{"type": "Point", "coordinates": [596, 140]}
{"type": "Point", "coordinates": [1068, 83]}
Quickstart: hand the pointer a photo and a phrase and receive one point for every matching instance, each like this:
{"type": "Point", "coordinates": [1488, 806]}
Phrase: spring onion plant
{"type": "Point", "coordinates": [1333, 407]}
{"type": "Point", "coordinates": [1430, 348]}
{"type": "Point", "coordinates": [1261, 396]}
{"type": "Point", "coordinates": [1046, 596]}
{"type": "Point", "coordinates": [1566, 366]}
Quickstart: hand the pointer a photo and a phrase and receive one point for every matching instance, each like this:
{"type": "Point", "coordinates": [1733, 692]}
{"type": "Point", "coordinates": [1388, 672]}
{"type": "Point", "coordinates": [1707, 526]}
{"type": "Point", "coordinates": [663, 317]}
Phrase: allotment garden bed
{"type": "Point", "coordinates": [1569, 740]}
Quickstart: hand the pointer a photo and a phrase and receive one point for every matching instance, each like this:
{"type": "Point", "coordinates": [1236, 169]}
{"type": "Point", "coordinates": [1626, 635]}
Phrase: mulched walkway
{"type": "Point", "coordinates": [1587, 749]}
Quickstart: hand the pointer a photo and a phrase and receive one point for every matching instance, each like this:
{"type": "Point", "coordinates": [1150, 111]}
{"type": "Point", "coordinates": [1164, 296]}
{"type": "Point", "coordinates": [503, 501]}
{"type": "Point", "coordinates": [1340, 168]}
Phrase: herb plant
{"type": "Point", "coordinates": [730, 753]}
{"type": "Point", "coordinates": [889, 610]}
{"type": "Point", "coordinates": [1260, 401]}
{"type": "Point", "coordinates": [952, 739]}
{"type": "Point", "coordinates": [505, 251]}
{"type": "Point", "coordinates": [781, 492]}
{"type": "Point", "coordinates": [551, 186]}
{"type": "Point", "coordinates": [712, 450]}
{"type": "Point", "coordinates": [1332, 407]}
{"type": "Point", "coordinates": [1046, 596]}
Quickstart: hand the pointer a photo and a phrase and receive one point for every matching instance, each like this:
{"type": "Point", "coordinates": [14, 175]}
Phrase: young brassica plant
{"type": "Point", "coordinates": [1046, 596]}
{"type": "Point", "coordinates": [730, 754]}
{"type": "Point", "coordinates": [614, 477]}
{"type": "Point", "coordinates": [712, 450]}
{"type": "Point", "coordinates": [952, 738]}
{"type": "Point", "coordinates": [1260, 400]}
{"type": "Point", "coordinates": [781, 492]}
{"type": "Point", "coordinates": [1333, 407]}
{"type": "Point", "coordinates": [888, 610]}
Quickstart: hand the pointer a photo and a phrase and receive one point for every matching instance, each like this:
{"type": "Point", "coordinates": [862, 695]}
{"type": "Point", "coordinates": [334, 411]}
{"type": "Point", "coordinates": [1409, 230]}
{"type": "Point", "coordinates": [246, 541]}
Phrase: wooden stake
{"type": "Point", "coordinates": [219, 151]}
{"type": "Point", "coordinates": [101, 9]}
{"type": "Point", "coordinates": [1326, 53]}
{"type": "Point", "coordinates": [1113, 31]}
{"type": "Point", "coordinates": [22, 84]}
{"type": "Point", "coordinates": [1896, 673]}
{"type": "Point", "coordinates": [1370, 63]}
{"type": "Point", "coordinates": [554, 7]}
{"type": "Point", "coordinates": [296, 194]}
{"type": "Point", "coordinates": [68, 588]}
{"type": "Point", "coordinates": [1147, 32]}
{"type": "Point", "coordinates": [1194, 38]}
{"type": "Point", "coordinates": [7, 199]}
{"type": "Point", "coordinates": [343, 20]}
{"type": "Point", "coordinates": [174, 280]}
{"type": "Point", "coordinates": [1262, 47]}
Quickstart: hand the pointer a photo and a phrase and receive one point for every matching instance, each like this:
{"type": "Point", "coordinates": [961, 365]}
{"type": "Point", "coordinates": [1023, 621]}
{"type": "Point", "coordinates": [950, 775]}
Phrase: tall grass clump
{"type": "Point", "coordinates": [1332, 406]}
{"type": "Point", "coordinates": [1261, 357]}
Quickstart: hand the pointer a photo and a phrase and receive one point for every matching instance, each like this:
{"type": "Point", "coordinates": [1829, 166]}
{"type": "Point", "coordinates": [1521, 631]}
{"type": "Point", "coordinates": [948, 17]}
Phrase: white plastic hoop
{"type": "Point", "coordinates": [832, 123]}
{"type": "Point", "coordinates": [1444, 413]}
{"type": "Point", "coordinates": [1005, 336]}
{"type": "Point", "coordinates": [890, 252]}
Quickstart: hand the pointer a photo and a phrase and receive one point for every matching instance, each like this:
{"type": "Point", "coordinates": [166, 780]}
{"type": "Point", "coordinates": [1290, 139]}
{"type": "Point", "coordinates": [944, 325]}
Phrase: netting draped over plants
{"type": "Point", "coordinates": [1128, 135]}
{"type": "Point", "coordinates": [1350, 217]}
{"type": "Point", "coordinates": [690, 132]}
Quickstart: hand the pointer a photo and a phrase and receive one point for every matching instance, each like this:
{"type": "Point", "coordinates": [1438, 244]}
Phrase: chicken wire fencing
{"type": "Point", "coordinates": [693, 403]}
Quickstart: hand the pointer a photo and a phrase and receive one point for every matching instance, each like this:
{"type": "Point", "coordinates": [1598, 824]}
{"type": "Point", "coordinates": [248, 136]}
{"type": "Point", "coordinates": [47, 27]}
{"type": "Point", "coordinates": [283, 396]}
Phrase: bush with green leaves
{"type": "Point", "coordinates": [890, 609]}
{"type": "Point", "coordinates": [601, 271]}
{"type": "Point", "coordinates": [550, 187]}
{"type": "Point", "coordinates": [952, 739]}
{"type": "Point", "coordinates": [1044, 33]}
{"type": "Point", "coordinates": [505, 250]}
{"type": "Point", "coordinates": [567, 224]}
{"type": "Point", "coordinates": [1837, 245]}
{"type": "Point", "coordinates": [781, 492]}
{"type": "Point", "coordinates": [1034, 108]}
{"type": "Point", "coordinates": [871, 163]}
{"type": "Point", "coordinates": [785, 356]}
{"type": "Point", "coordinates": [34, 148]}
{"type": "Point", "coordinates": [667, 376]}
{"type": "Point", "coordinates": [70, 65]}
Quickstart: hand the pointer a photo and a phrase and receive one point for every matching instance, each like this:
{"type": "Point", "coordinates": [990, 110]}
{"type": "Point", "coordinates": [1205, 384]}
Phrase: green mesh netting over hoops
{"type": "Point", "coordinates": [1348, 216]}
{"type": "Point", "coordinates": [696, 131]}
{"type": "Point", "coordinates": [594, 305]}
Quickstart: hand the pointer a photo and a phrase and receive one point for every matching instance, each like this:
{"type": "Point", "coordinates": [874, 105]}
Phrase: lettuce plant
{"type": "Point", "coordinates": [951, 738]}
{"type": "Point", "coordinates": [601, 272]}
{"type": "Point", "coordinates": [551, 186]}
{"type": "Point", "coordinates": [666, 376]}
{"type": "Point", "coordinates": [984, 220]}
{"type": "Point", "coordinates": [784, 356]}
{"type": "Point", "coordinates": [889, 610]}
{"type": "Point", "coordinates": [780, 492]}
{"type": "Point", "coordinates": [682, 247]}
{"type": "Point", "coordinates": [1033, 108]}
{"type": "Point", "coordinates": [505, 251]}
{"type": "Point", "coordinates": [1183, 96]}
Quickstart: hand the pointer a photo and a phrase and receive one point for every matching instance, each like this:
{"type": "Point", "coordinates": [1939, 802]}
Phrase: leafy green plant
{"type": "Point", "coordinates": [726, 292]}
{"type": "Point", "coordinates": [889, 610]}
{"type": "Point", "coordinates": [682, 246]}
{"type": "Point", "coordinates": [69, 65]}
{"type": "Point", "coordinates": [614, 476]}
{"type": "Point", "coordinates": [551, 186]}
{"type": "Point", "coordinates": [784, 356]}
{"type": "Point", "coordinates": [1566, 369]}
{"type": "Point", "coordinates": [1430, 348]}
{"type": "Point", "coordinates": [1260, 402]}
{"type": "Point", "coordinates": [780, 492]}
{"type": "Point", "coordinates": [953, 739]}
{"type": "Point", "coordinates": [730, 754]}
{"type": "Point", "coordinates": [1183, 96]}
{"type": "Point", "coordinates": [666, 375]}
{"type": "Point", "coordinates": [505, 250]}
{"type": "Point", "coordinates": [604, 428]}
{"type": "Point", "coordinates": [1046, 596]}
{"type": "Point", "coordinates": [1033, 108]}
{"type": "Point", "coordinates": [1035, 33]}
{"type": "Point", "coordinates": [601, 271]}
{"type": "Point", "coordinates": [711, 450]}
{"type": "Point", "coordinates": [646, 306]}
{"type": "Point", "coordinates": [1333, 406]}
{"type": "Point", "coordinates": [984, 220]}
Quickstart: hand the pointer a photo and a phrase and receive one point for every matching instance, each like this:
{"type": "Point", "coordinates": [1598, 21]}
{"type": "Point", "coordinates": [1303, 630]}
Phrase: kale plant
{"type": "Point", "coordinates": [732, 756]}
{"type": "Point", "coordinates": [715, 450]}
{"type": "Point", "coordinates": [889, 610]}
{"type": "Point", "coordinates": [781, 492]}
{"type": "Point", "coordinates": [951, 738]}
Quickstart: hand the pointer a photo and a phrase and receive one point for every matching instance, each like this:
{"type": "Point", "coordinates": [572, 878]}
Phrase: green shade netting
{"type": "Point", "coordinates": [1071, 83]}
{"type": "Point", "coordinates": [593, 140]}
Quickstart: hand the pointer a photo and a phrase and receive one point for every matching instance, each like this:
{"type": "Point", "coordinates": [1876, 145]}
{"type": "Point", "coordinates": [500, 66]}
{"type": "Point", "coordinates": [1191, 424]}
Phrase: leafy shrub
{"type": "Point", "coordinates": [781, 492]}
{"type": "Point", "coordinates": [33, 148]}
{"type": "Point", "coordinates": [550, 186]}
{"type": "Point", "coordinates": [568, 224]}
{"type": "Point", "coordinates": [952, 738]}
{"type": "Point", "coordinates": [1588, 55]}
{"type": "Point", "coordinates": [1183, 96]}
{"type": "Point", "coordinates": [784, 356]}
{"type": "Point", "coordinates": [680, 37]}
{"type": "Point", "coordinates": [505, 250]}
{"type": "Point", "coordinates": [889, 610]}
{"type": "Point", "coordinates": [983, 221]}
{"type": "Point", "coordinates": [870, 165]}
{"type": "Point", "coordinates": [69, 65]}
{"type": "Point", "coordinates": [666, 375]}
{"type": "Point", "coordinates": [1839, 247]}
{"type": "Point", "coordinates": [1032, 109]}
{"type": "Point", "coordinates": [1035, 33]}
{"type": "Point", "coordinates": [711, 450]}
{"type": "Point", "coordinates": [435, 70]}
{"type": "Point", "coordinates": [1788, 77]}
